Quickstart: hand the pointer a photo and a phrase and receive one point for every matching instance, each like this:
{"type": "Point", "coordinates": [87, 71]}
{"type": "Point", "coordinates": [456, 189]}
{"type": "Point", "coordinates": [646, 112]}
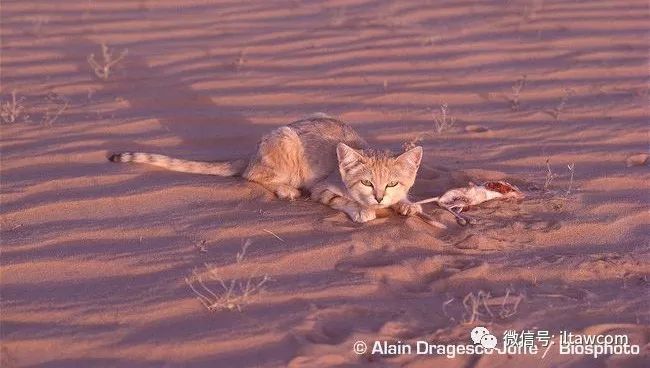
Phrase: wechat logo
{"type": "Point", "coordinates": [481, 335]}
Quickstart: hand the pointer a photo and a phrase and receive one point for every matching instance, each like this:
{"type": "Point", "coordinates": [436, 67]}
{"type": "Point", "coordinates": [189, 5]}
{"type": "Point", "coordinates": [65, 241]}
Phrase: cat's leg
{"type": "Point", "coordinates": [278, 163]}
{"type": "Point", "coordinates": [270, 182]}
{"type": "Point", "coordinates": [407, 208]}
{"type": "Point", "coordinates": [356, 212]}
{"type": "Point", "coordinates": [283, 191]}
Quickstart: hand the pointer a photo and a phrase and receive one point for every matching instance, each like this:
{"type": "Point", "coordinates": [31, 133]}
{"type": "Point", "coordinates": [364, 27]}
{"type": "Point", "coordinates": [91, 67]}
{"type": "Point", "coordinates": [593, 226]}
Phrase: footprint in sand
{"type": "Point", "coordinates": [476, 128]}
{"type": "Point", "coordinates": [334, 325]}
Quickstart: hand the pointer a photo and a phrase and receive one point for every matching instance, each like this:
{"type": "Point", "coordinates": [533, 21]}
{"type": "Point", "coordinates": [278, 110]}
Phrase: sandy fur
{"type": "Point", "coordinates": [321, 155]}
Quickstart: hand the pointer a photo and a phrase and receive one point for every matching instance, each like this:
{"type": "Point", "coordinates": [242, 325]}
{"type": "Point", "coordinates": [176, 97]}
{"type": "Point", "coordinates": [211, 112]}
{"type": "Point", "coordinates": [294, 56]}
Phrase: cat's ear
{"type": "Point", "coordinates": [348, 156]}
{"type": "Point", "coordinates": [412, 157]}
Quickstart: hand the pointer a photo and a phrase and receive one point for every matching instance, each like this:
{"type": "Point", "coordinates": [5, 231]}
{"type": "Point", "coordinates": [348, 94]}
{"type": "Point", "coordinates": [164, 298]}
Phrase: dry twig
{"type": "Point", "coordinates": [516, 92]}
{"type": "Point", "coordinates": [108, 61]}
{"type": "Point", "coordinates": [13, 109]}
{"type": "Point", "coordinates": [473, 305]}
{"type": "Point", "coordinates": [549, 174]}
{"type": "Point", "coordinates": [571, 168]}
{"type": "Point", "coordinates": [234, 295]}
{"type": "Point", "coordinates": [560, 106]}
{"type": "Point", "coordinates": [442, 120]}
{"type": "Point", "coordinates": [60, 104]}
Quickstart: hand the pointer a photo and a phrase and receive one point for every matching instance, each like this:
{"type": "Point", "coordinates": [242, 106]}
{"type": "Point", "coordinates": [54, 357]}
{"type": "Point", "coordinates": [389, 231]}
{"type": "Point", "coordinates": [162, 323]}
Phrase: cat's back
{"type": "Point", "coordinates": [319, 135]}
{"type": "Point", "coordinates": [321, 129]}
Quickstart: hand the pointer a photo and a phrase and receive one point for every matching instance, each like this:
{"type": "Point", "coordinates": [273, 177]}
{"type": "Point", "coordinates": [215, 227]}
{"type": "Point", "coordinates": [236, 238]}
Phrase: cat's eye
{"type": "Point", "coordinates": [366, 183]}
{"type": "Point", "coordinates": [392, 184]}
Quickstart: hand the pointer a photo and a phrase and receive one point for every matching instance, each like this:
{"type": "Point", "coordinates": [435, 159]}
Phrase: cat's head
{"type": "Point", "coordinates": [377, 179]}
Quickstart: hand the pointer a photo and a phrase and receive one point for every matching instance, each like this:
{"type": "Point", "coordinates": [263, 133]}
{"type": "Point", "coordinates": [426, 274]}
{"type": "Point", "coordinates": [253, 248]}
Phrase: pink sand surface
{"type": "Point", "coordinates": [95, 255]}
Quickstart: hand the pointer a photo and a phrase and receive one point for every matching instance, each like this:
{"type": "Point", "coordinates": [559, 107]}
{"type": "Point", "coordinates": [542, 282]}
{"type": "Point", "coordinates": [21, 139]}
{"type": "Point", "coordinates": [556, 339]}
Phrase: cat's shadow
{"type": "Point", "coordinates": [205, 129]}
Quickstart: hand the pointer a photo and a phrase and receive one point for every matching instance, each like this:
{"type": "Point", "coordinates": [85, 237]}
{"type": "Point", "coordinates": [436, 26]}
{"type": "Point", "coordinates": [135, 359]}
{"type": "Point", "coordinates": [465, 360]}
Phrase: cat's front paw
{"type": "Point", "coordinates": [363, 215]}
{"type": "Point", "coordinates": [407, 209]}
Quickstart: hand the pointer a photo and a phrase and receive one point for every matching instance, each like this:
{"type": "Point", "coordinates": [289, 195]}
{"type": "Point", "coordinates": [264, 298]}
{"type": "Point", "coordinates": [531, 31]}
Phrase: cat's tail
{"type": "Point", "coordinates": [225, 168]}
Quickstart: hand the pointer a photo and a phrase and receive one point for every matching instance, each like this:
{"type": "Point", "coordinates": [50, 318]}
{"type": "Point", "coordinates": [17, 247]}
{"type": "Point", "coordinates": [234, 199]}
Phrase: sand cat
{"type": "Point", "coordinates": [321, 155]}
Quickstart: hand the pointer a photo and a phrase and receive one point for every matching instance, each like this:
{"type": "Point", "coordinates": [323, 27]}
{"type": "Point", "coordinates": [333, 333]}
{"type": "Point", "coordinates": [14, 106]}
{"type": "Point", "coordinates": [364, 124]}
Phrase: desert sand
{"type": "Point", "coordinates": [95, 255]}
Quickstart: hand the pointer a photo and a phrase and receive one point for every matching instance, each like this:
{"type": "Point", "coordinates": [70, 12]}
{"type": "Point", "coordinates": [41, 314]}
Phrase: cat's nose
{"type": "Point", "coordinates": [379, 199]}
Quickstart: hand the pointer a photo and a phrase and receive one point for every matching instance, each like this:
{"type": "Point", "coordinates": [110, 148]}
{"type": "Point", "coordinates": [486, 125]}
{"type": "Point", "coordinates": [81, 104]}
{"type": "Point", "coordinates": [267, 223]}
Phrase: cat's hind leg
{"type": "Point", "coordinates": [278, 165]}
{"type": "Point", "coordinates": [283, 191]}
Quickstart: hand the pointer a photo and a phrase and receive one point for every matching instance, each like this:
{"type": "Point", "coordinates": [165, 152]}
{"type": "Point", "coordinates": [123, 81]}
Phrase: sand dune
{"type": "Point", "coordinates": [95, 255]}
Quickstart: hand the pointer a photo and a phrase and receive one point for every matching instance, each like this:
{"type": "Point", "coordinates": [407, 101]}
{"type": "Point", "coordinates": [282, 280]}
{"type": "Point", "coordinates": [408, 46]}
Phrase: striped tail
{"type": "Point", "coordinates": [227, 168]}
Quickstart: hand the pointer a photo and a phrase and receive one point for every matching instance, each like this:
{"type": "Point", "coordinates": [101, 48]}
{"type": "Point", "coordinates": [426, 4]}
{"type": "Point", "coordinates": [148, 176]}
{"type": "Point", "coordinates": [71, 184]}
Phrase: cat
{"type": "Point", "coordinates": [321, 155]}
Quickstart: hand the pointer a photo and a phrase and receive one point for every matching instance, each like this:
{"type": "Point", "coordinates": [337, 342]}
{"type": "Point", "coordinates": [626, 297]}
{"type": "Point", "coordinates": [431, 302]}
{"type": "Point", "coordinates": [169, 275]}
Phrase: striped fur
{"type": "Point", "coordinates": [231, 168]}
{"type": "Point", "coordinates": [321, 155]}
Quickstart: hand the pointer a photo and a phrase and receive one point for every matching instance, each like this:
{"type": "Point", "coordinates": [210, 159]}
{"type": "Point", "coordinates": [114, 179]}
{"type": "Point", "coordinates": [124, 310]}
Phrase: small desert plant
{"type": "Point", "coordinates": [571, 168]}
{"type": "Point", "coordinates": [430, 40]}
{"type": "Point", "coordinates": [476, 306]}
{"type": "Point", "coordinates": [200, 245]}
{"type": "Point", "coordinates": [509, 309]}
{"type": "Point", "coordinates": [516, 92]}
{"type": "Point", "coordinates": [531, 9]}
{"type": "Point", "coordinates": [241, 255]}
{"type": "Point", "coordinates": [560, 106]}
{"type": "Point", "coordinates": [481, 306]}
{"type": "Point", "coordinates": [102, 68]}
{"type": "Point", "coordinates": [13, 109]}
{"type": "Point", "coordinates": [58, 104]}
{"type": "Point", "coordinates": [442, 120]}
{"type": "Point", "coordinates": [338, 17]}
{"type": "Point", "coordinates": [444, 309]}
{"type": "Point", "coordinates": [234, 295]}
{"type": "Point", "coordinates": [549, 174]}
{"type": "Point", "coordinates": [37, 24]}
{"type": "Point", "coordinates": [240, 61]}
